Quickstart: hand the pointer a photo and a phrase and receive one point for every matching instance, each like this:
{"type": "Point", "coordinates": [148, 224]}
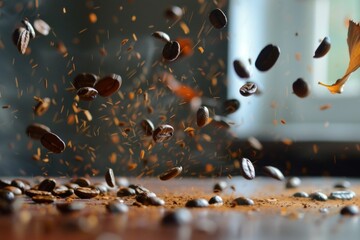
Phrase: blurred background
{"type": "Point", "coordinates": [273, 127]}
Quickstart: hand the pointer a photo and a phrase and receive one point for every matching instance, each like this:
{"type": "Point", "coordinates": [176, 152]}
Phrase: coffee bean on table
{"type": "Point", "coordinates": [70, 207]}
{"type": "Point", "coordinates": [147, 126]}
{"type": "Point", "coordinates": [110, 178]}
{"type": "Point", "coordinates": [318, 196]}
{"type": "Point", "coordinates": [139, 189]}
{"type": "Point", "coordinates": [240, 69]}
{"type": "Point", "coordinates": [20, 184]}
{"type": "Point", "coordinates": [63, 193]}
{"type": "Point", "coordinates": [197, 203]}
{"type": "Point", "coordinates": [153, 201]}
{"type": "Point", "coordinates": [31, 193]}
{"type": "Point", "coordinates": [117, 207]}
{"type": "Point", "coordinates": [4, 183]}
{"type": "Point", "coordinates": [47, 185]}
{"type": "Point", "coordinates": [247, 169]}
{"type": "Point", "coordinates": [82, 182]}
{"type": "Point", "coordinates": [342, 195]}
{"type": "Point", "coordinates": [242, 201]}
{"type": "Point", "coordinates": [300, 88]}
{"type": "Point", "coordinates": [87, 93]}
{"type": "Point", "coordinates": [267, 57]}
{"type": "Point", "coordinates": [108, 85]}
{"type": "Point", "coordinates": [220, 186]}
{"type": "Point", "coordinates": [350, 210]}
{"type": "Point", "coordinates": [102, 187]}
{"type": "Point", "coordinates": [342, 184]}
{"type": "Point", "coordinates": [86, 193]}
{"type": "Point", "coordinates": [171, 173]}
{"type": "Point", "coordinates": [248, 89]}
{"type": "Point", "coordinates": [126, 192]}
{"type": "Point", "coordinates": [14, 190]}
{"type": "Point", "coordinates": [163, 133]}
{"type": "Point", "coordinates": [43, 199]}
{"type": "Point", "coordinates": [202, 116]}
{"type": "Point", "coordinates": [216, 200]}
{"type": "Point", "coordinates": [42, 27]}
{"type": "Point", "coordinates": [323, 48]}
{"type": "Point", "coordinates": [230, 106]}
{"type": "Point", "coordinates": [273, 172]}
{"type": "Point", "coordinates": [301, 195]}
{"type": "Point", "coordinates": [53, 142]}
{"type": "Point", "coordinates": [84, 80]}
{"type": "Point", "coordinates": [173, 12]}
{"type": "Point", "coordinates": [29, 27]}
{"type": "Point", "coordinates": [42, 107]}
{"type": "Point", "coordinates": [37, 131]}
{"type": "Point", "coordinates": [293, 182]}
{"type": "Point", "coordinates": [178, 217]}
{"type": "Point", "coordinates": [218, 18]}
{"type": "Point", "coordinates": [161, 36]}
{"type": "Point", "coordinates": [21, 38]}
{"type": "Point", "coordinates": [171, 51]}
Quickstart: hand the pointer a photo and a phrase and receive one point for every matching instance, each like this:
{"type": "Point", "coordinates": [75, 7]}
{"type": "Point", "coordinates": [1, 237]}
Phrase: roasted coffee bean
{"type": "Point", "coordinates": [318, 196]}
{"type": "Point", "coordinates": [4, 183]}
{"type": "Point", "coordinates": [87, 93]}
{"type": "Point", "coordinates": [152, 201]}
{"type": "Point", "coordinates": [14, 190]}
{"type": "Point", "coordinates": [85, 80]}
{"type": "Point", "coordinates": [173, 12]}
{"type": "Point", "coordinates": [230, 106]}
{"type": "Point", "coordinates": [293, 182]}
{"type": "Point", "coordinates": [342, 195]}
{"type": "Point", "coordinates": [242, 201]}
{"type": "Point", "coordinates": [218, 18]}
{"type": "Point", "coordinates": [20, 184]}
{"type": "Point", "coordinates": [147, 126]}
{"type": "Point", "coordinates": [29, 28]}
{"type": "Point", "coordinates": [47, 185]}
{"type": "Point", "coordinates": [216, 200]}
{"type": "Point", "coordinates": [37, 131]}
{"type": "Point", "coordinates": [117, 207]}
{"type": "Point", "coordinates": [248, 89]}
{"type": "Point", "coordinates": [342, 184]}
{"type": "Point", "coordinates": [86, 193]}
{"type": "Point", "coordinates": [82, 182]}
{"type": "Point", "coordinates": [300, 88]}
{"type": "Point", "coordinates": [163, 133]}
{"type": "Point", "coordinates": [171, 51]}
{"type": "Point", "coordinates": [197, 203]}
{"type": "Point", "coordinates": [110, 178]}
{"type": "Point", "coordinates": [202, 116]}
{"type": "Point", "coordinates": [267, 57]}
{"type": "Point", "coordinates": [21, 38]}
{"type": "Point", "coordinates": [126, 192]}
{"type": "Point", "coordinates": [247, 169]}
{"type": "Point", "coordinates": [7, 196]}
{"type": "Point", "coordinates": [301, 195]}
{"type": "Point", "coordinates": [31, 193]}
{"type": "Point", "coordinates": [178, 217]}
{"type": "Point", "coordinates": [323, 48]}
{"type": "Point", "coordinates": [139, 189]}
{"type": "Point", "coordinates": [43, 199]}
{"type": "Point", "coordinates": [220, 186]}
{"type": "Point", "coordinates": [42, 27]}
{"type": "Point", "coordinates": [161, 36]}
{"type": "Point", "coordinates": [70, 207]}
{"type": "Point", "coordinates": [273, 172]}
{"type": "Point", "coordinates": [108, 85]}
{"type": "Point", "coordinates": [143, 197]}
{"type": "Point", "coordinates": [42, 107]}
{"type": "Point", "coordinates": [350, 210]}
{"type": "Point", "coordinates": [240, 69]}
{"type": "Point", "coordinates": [171, 173]}
{"type": "Point", "coordinates": [53, 142]}
{"type": "Point", "coordinates": [64, 193]}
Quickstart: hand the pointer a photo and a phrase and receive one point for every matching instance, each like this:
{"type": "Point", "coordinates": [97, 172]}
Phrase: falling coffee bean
{"type": "Point", "coordinates": [163, 133]}
{"type": "Point", "coordinates": [273, 172]}
{"type": "Point", "coordinates": [240, 69]}
{"type": "Point", "coordinates": [52, 142]}
{"type": "Point", "coordinates": [173, 13]}
{"type": "Point", "coordinates": [47, 185]}
{"type": "Point", "coordinates": [230, 106]}
{"type": "Point", "coordinates": [293, 182]}
{"type": "Point", "coordinates": [108, 85]}
{"type": "Point", "coordinates": [350, 210]}
{"type": "Point", "coordinates": [171, 173]}
{"type": "Point", "coordinates": [171, 51]}
{"type": "Point", "coordinates": [323, 48]}
{"type": "Point", "coordinates": [84, 80]}
{"type": "Point", "coordinates": [42, 107]}
{"type": "Point", "coordinates": [161, 36]}
{"type": "Point", "coordinates": [242, 201]}
{"type": "Point", "coordinates": [220, 186]}
{"type": "Point", "coordinates": [202, 116]}
{"type": "Point", "coordinates": [110, 178]}
{"type": "Point", "coordinates": [21, 38]}
{"type": "Point", "coordinates": [147, 126]}
{"type": "Point", "coordinates": [87, 93]}
{"type": "Point", "coordinates": [86, 193]}
{"type": "Point", "coordinates": [29, 27]}
{"type": "Point", "coordinates": [216, 200]}
{"type": "Point", "coordinates": [70, 207]}
{"type": "Point", "coordinates": [267, 57]}
{"type": "Point", "coordinates": [247, 169]}
{"type": "Point", "coordinates": [197, 203]}
{"type": "Point", "coordinates": [178, 217]}
{"type": "Point", "coordinates": [248, 89]}
{"type": "Point", "coordinates": [218, 18]}
{"type": "Point", "coordinates": [300, 88]}
{"type": "Point", "coordinates": [37, 131]}
{"type": "Point", "coordinates": [42, 27]}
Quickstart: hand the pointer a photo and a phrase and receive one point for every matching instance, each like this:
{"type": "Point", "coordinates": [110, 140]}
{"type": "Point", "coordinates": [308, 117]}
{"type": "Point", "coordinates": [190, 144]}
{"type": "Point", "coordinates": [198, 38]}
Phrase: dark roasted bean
{"type": "Point", "coordinates": [37, 131]}
{"type": "Point", "coordinates": [117, 207]}
{"type": "Point", "coordinates": [230, 106]}
{"type": "Point", "coordinates": [220, 186]}
{"type": "Point", "coordinates": [14, 190]}
{"type": "Point", "coordinates": [173, 12]}
{"type": "Point", "coordinates": [342, 184]}
{"type": "Point", "coordinates": [178, 217]}
{"type": "Point", "coordinates": [216, 200]}
{"type": "Point", "coordinates": [240, 69]}
{"type": "Point", "coordinates": [82, 182]}
{"type": "Point", "coordinates": [125, 192]}
{"type": "Point", "coordinates": [323, 48]}
{"type": "Point", "coordinates": [171, 51]}
{"type": "Point", "coordinates": [43, 199]}
{"type": "Point", "coordinates": [242, 201]}
{"type": "Point", "coordinates": [70, 207]}
{"type": "Point", "coordinates": [42, 27]}
{"type": "Point", "coordinates": [21, 38]}
{"type": "Point", "coordinates": [63, 193]}
{"type": "Point", "coordinates": [318, 196]}
{"type": "Point", "coordinates": [350, 210]}
{"type": "Point", "coordinates": [47, 185]}
{"type": "Point", "coordinates": [110, 178]}
{"type": "Point", "coordinates": [342, 195]}
{"type": "Point", "coordinates": [143, 197]}
{"type": "Point", "coordinates": [171, 173]}
{"type": "Point", "coordinates": [147, 126]}
{"type": "Point", "coordinates": [20, 184]}
{"type": "Point", "coordinates": [218, 18]}
{"type": "Point", "coordinates": [247, 169]}
{"type": "Point", "coordinates": [42, 107]}
{"type": "Point", "coordinates": [163, 133]}
{"type": "Point", "coordinates": [139, 189]}
{"type": "Point", "coordinates": [29, 28]}
{"type": "Point", "coordinates": [301, 195]}
{"type": "Point", "coordinates": [53, 142]}
{"type": "Point", "coordinates": [32, 193]}
{"type": "Point", "coordinates": [86, 193]}
{"type": "Point", "coordinates": [161, 36]}
{"type": "Point", "coordinates": [273, 172]}
{"type": "Point", "coordinates": [85, 80]}
{"type": "Point", "coordinates": [202, 116]}
{"type": "Point", "coordinates": [108, 85]}
{"type": "Point", "coordinates": [293, 182]}
{"type": "Point", "coordinates": [197, 203]}
{"type": "Point", "coordinates": [300, 88]}
{"type": "Point", "coordinates": [267, 57]}
{"type": "Point", "coordinates": [248, 89]}
{"type": "Point", "coordinates": [87, 93]}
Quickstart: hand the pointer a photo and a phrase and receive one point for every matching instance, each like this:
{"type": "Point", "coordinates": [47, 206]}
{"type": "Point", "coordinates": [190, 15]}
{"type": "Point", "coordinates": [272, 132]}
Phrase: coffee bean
{"type": "Point", "coordinates": [86, 193]}
{"type": "Point", "coordinates": [173, 12]}
{"type": "Point", "coordinates": [161, 36]}
{"type": "Point", "coordinates": [108, 85]}
{"type": "Point", "coordinates": [267, 57]}
{"type": "Point", "coordinates": [178, 217]}
{"type": "Point", "coordinates": [218, 18]}
{"type": "Point", "coordinates": [242, 201]}
{"type": "Point", "coordinates": [171, 173]}
{"type": "Point", "coordinates": [42, 107]}
{"type": "Point", "coordinates": [293, 182]}
{"type": "Point", "coordinates": [248, 89]}
{"type": "Point", "coordinates": [29, 28]}
{"type": "Point", "coordinates": [301, 88]}
{"type": "Point", "coordinates": [240, 69]}
{"type": "Point", "coordinates": [63, 193]}
{"type": "Point", "coordinates": [216, 200]}
{"type": "Point", "coordinates": [52, 142]}
{"type": "Point", "coordinates": [102, 187]}
{"type": "Point", "coordinates": [153, 201]}
{"type": "Point", "coordinates": [139, 189]}
{"type": "Point", "coordinates": [126, 192]}
{"type": "Point", "coordinates": [36, 131]}
{"type": "Point", "coordinates": [110, 178]}
{"type": "Point", "coordinates": [301, 195]}
{"type": "Point", "coordinates": [7, 196]}
{"type": "Point", "coordinates": [273, 172]}
{"type": "Point", "coordinates": [318, 196]}
{"type": "Point", "coordinates": [197, 203]}
{"type": "Point", "coordinates": [171, 51]}
{"type": "Point", "coordinates": [163, 133]}
{"type": "Point", "coordinates": [70, 207]}
{"type": "Point", "coordinates": [342, 195]}
{"type": "Point", "coordinates": [350, 210]}
{"type": "Point", "coordinates": [43, 199]}
{"type": "Point", "coordinates": [31, 193]}
{"type": "Point", "coordinates": [14, 190]}
{"type": "Point", "coordinates": [42, 27]}
{"type": "Point", "coordinates": [323, 48]}
{"type": "Point", "coordinates": [220, 186]}
{"type": "Point", "coordinates": [4, 183]}
{"type": "Point", "coordinates": [20, 184]}
{"type": "Point", "coordinates": [142, 197]}
{"type": "Point", "coordinates": [202, 116]}
{"type": "Point", "coordinates": [87, 93]}
{"type": "Point", "coordinates": [147, 126]}
{"type": "Point", "coordinates": [230, 106]}
{"type": "Point", "coordinates": [47, 185]}
{"type": "Point", "coordinates": [342, 184]}
{"type": "Point", "coordinates": [247, 169]}
{"type": "Point", "coordinates": [85, 80]}
{"type": "Point", "coordinates": [117, 207]}
{"type": "Point", "coordinates": [82, 182]}
{"type": "Point", "coordinates": [21, 38]}
{"type": "Point", "coordinates": [220, 122]}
